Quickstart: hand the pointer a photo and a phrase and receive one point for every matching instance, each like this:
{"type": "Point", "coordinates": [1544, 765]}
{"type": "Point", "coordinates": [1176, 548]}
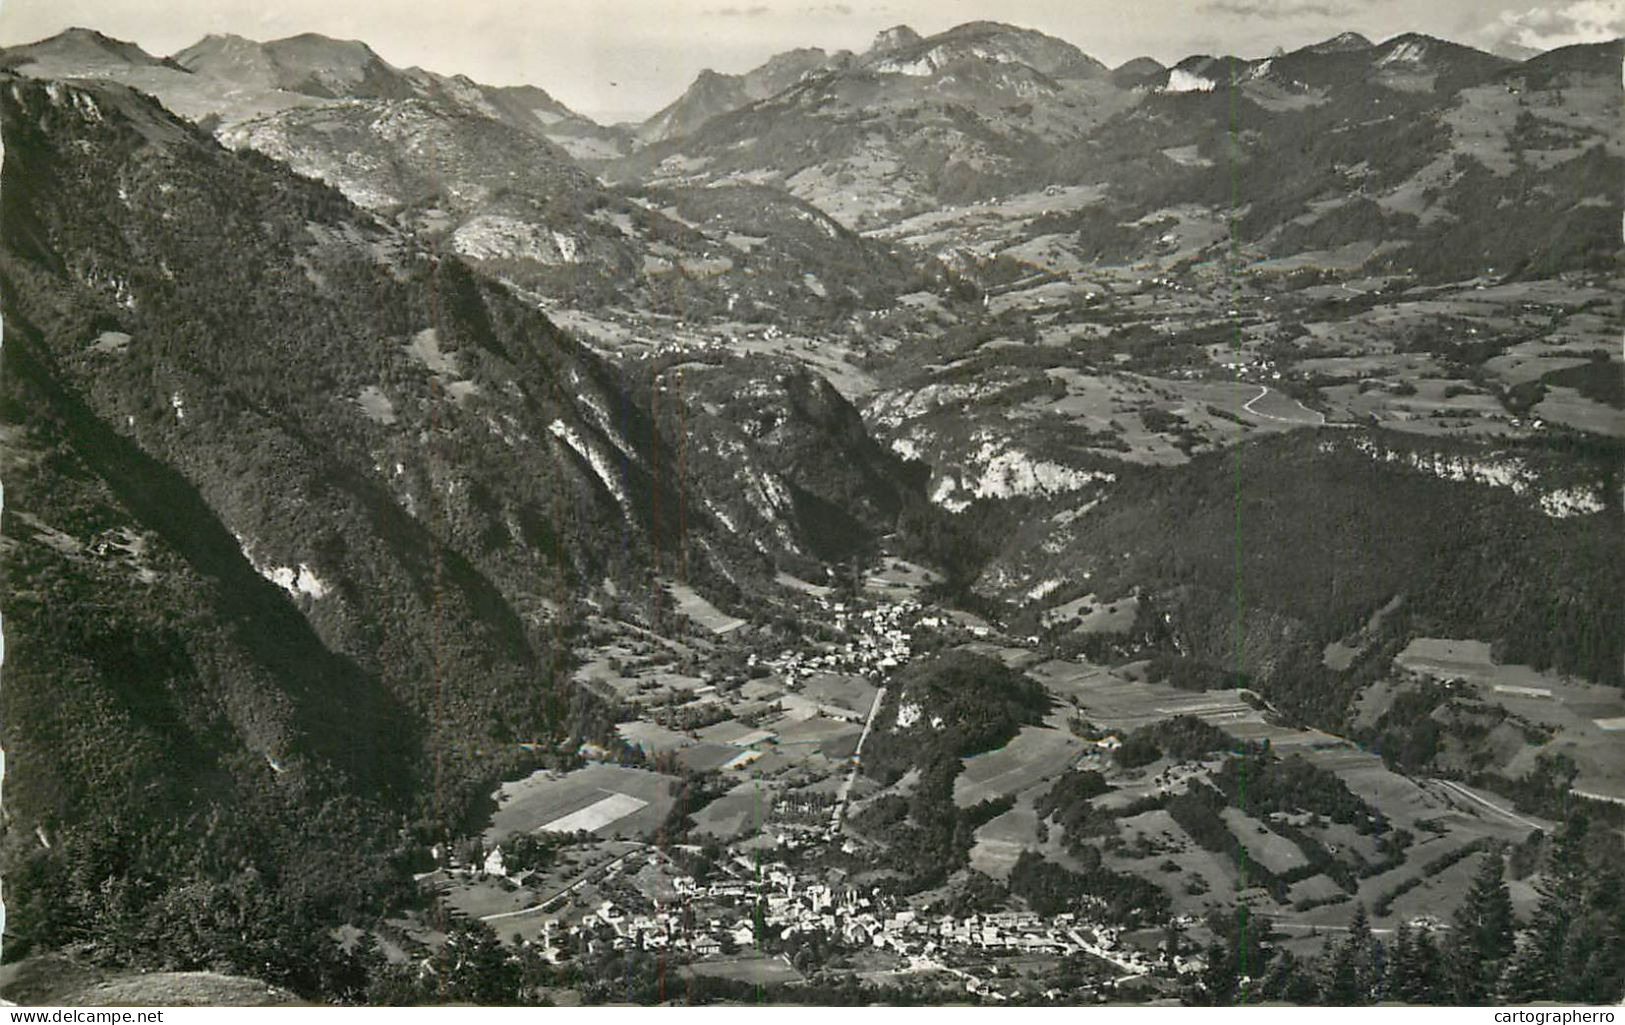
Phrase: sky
{"type": "Point", "coordinates": [624, 59]}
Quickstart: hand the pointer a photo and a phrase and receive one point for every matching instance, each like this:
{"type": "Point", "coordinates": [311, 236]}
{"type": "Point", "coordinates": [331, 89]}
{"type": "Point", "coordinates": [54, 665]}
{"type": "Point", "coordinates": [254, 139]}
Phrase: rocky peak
{"type": "Point", "coordinates": [897, 37]}
{"type": "Point", "coordinates": [1342, 43]}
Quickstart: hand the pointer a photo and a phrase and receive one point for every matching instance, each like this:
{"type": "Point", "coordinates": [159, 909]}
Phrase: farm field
{"type": "Point", "coordinates": [1109, 698]}
{"type": "Point", "coordinates": [1582, 718]}
{"type": "Point", "coordinates": [707, 757]}
{"type": "Point", "coordinates": [1035, 754]}
{"type": "Point", "coordinates": [608, 800]}
{"type": "Point", "coordinates": [898, 579]}
{"type": "Point", "coordinates": [740, 812]}
{"type": "Point", "coordinates": [834, 738]}
{"type": "Point", "coordinates": [1272, 405]}
{"type": "Point", "coordinates": [1568, 407]}
{"type": "Point", "coordinates": [491, 896]}
{"type": "Point", "coordinates": [691, 604]}
{"type": "Point", "coordinates": [652, 737]}
{"type": "Point", "coordinates": [1193, 877]}
{"type": "Point", "coordinates": [1089, 615]}
{"type": "Point", "coordinates": [1000, 841]}
{"type": "Point", "coordinates": [1264, 846]}
{"type": "Point", "coordinates": [852, 693]}
{"type": "Point", "coordinates": [784, 579]}
{"type": "Point", "coordinates": [735, 733]}
{"type": "Point", "coordinates": [764, 971]}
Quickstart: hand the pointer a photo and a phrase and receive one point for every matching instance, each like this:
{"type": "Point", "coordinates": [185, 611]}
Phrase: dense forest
{"type": "Point", "coordinates": [1217, 545]}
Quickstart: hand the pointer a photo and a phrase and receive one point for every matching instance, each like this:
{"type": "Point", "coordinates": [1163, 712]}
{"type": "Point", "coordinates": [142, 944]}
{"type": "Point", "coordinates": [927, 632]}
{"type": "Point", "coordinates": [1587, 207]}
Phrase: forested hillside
{"type": "Point", "coordinates": [299, 518]}
{"type": "Point", "coordinates": [1261, 556]}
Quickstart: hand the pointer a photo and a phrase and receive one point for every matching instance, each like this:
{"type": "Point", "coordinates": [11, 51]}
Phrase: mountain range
{"type": "Point", "coordinates": [352, 413]}
{"type": "Point", "coordinates": [507, 174]}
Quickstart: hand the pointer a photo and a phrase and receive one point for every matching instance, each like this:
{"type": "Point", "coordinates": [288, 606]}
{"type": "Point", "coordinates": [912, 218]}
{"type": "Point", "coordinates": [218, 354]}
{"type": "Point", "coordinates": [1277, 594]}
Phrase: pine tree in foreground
{"type": "Point", "coordinates": [1481, 934]}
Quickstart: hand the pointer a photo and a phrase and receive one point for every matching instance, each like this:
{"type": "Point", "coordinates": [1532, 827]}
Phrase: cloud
{"type": "Point", "coordinates": [1560, 24]}
{"type": "Point", "coordinates": [1280, 10]}
{"type": "Point", "coordinates": [755, 11]}
{"type": "Point", "coordinates": [834, 10]}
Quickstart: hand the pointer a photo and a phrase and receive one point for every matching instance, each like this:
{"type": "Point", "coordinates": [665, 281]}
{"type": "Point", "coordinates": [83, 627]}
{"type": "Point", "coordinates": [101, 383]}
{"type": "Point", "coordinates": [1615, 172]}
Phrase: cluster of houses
{"type": "Point", "coordinates": [878, 640]}
{"type": "Point", "coordinates": [750, 903]}
{"type": "Point", "coordinates": [772, 898]}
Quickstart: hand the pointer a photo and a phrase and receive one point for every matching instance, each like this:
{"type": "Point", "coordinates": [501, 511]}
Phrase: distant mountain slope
{"type": "Point", "coordinates": [84, 48]}
{"type": "Point", "coordinates": [309, 63]}
{"type": "Point", "coordinates": [713, 94]}
{"type": "Point", "coordinates": [1415, 157]}
{"type": "Point", "coordinates": [1138, 71]}
{"type": "Point", "coordinates": [340, 90]}
{"type": "Point", "coordinates": [914, 123]}
{"type": "Point", "coordinates": [331, 69]}
{"type": "Point", "coordinates": [907, 53]}
{"type": "Point", "coordinates": [488, 171]}
{"type": "Point", "coordinates": [985, 109]}
{"type": "Point", "coordinates": [84, 53]}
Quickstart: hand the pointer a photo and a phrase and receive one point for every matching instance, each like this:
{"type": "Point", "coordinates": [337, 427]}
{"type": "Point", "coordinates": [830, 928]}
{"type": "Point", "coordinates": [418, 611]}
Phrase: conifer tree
{"type": "Point", "coordinates": [1481, 934]}
{"type": "Point", "coordinates": [1575, 946]}
{"type": "Point", "coordinates": [1402, 962]}
{"type": "Point", "coordinates": [1338, 986]}
{"type": "Point", "coordinates": [1363, 953]}
{"type": "Point", "coordinates": [1219, 981]}
{"type": "Point", "coordinates": [1551, 960]}
{"type": "Point", "coordinates": [1425, 980]}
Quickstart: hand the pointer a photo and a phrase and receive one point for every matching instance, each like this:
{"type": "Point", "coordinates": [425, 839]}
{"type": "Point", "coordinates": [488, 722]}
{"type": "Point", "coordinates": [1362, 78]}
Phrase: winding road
{"type": "Point", "coordinates": [1264, 390]}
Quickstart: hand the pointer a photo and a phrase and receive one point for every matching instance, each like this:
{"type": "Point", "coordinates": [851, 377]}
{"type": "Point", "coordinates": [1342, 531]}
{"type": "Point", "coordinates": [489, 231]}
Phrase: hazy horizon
{"type": "Point", "coordinates": [624, 59]}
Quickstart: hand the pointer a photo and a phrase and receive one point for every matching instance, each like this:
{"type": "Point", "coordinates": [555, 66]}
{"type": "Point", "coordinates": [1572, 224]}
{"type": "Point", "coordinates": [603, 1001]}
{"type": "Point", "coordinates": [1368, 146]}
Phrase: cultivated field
{"type": "Point", "coordinates": [766, 971]}
{"type": "Point", "coordinates": [707, 757]}
{"type": "Point", "coordinates": [851, 693]}
{"type": "Point", "coordinates": [608, 800]}
{"type": "Point", "coordinates": [741, 811]}
{"type": "Point", "coordinates": [1036, 754]}
{"type": "Point", "coordinates": [1089, 615]}
{"type": "Point", "coordinates": [652, 737]}
{"type": "Point", "coordinates": [1264, 846]}
{"type": "Point", "coordinates": [832, 737]}
{"type": "Point", "coordinates": [1584, 719]}
{"type": "Point", "coordinates": [1001, 840]}
{"type": "Point", "coordinates": [691, 604]}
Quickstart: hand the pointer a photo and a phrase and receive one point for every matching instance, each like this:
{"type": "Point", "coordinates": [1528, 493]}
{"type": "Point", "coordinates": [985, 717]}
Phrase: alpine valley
{"type": "Point", "coordinates": [952, 522]}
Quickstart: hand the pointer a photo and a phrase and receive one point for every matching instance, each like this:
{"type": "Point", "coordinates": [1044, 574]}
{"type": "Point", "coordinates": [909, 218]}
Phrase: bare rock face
{"type": "Point", "coordinates": [895, 38]}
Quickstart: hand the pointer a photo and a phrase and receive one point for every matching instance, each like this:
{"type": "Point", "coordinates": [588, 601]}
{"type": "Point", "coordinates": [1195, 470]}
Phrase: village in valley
{"type": "Point", "coordinates": [948, 522]}
{"type": "Point", "coordinates": [757, 884]}
{"type": "Point", "coordinates": [727, 826]}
